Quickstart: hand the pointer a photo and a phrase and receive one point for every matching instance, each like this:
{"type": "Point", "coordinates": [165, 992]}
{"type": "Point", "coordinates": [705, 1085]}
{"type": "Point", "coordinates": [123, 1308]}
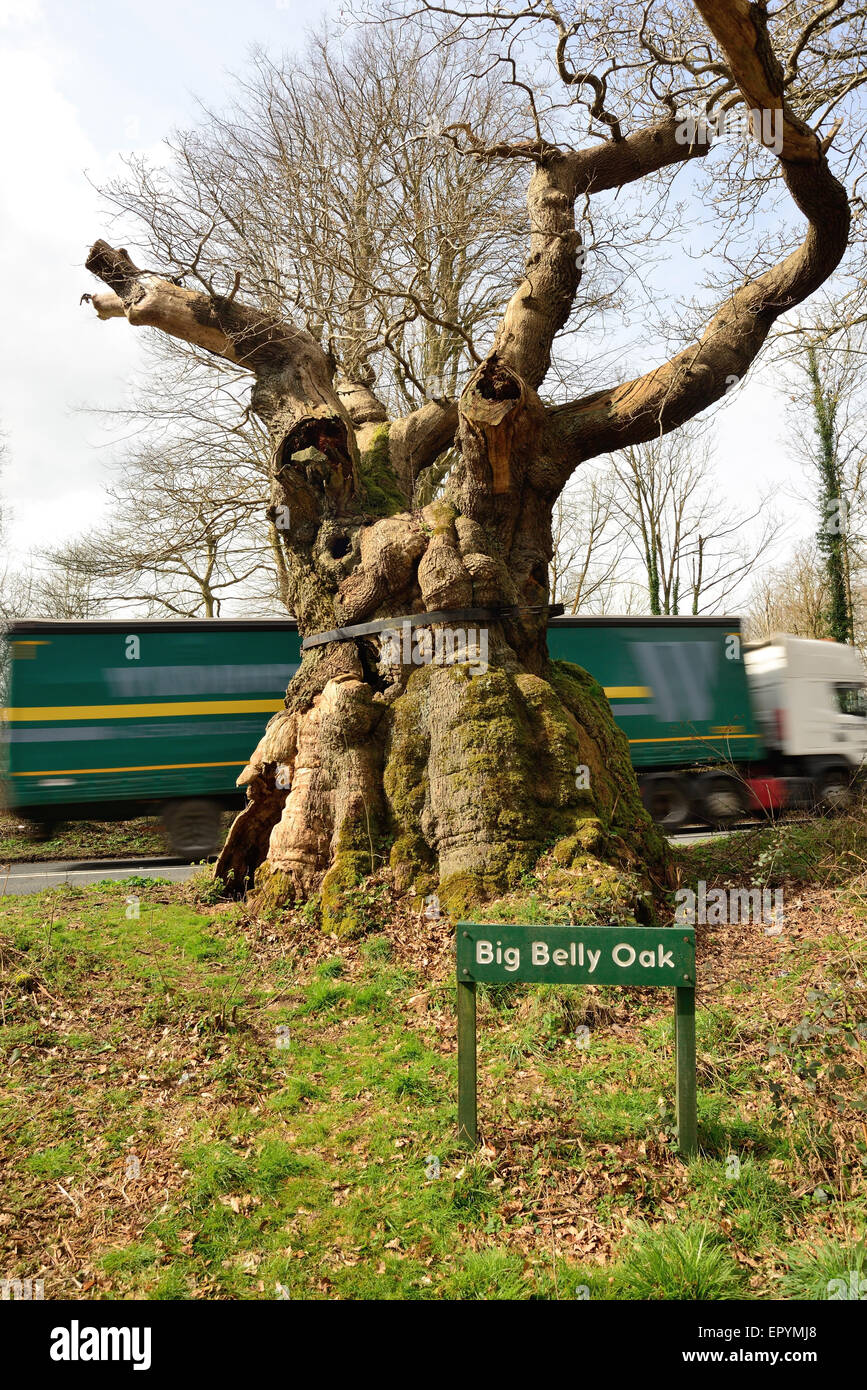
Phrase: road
{"type": "Point", "coordinates": [33, 878]}
{"type": "Point", "coordinates": [695, 836]}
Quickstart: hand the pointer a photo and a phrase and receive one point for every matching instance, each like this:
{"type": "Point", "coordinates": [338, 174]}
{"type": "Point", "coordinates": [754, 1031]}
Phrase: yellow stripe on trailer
{"type": "Point", "coordinates": [692, 738]}
{"type": "Point", "coordinates": [146, 767]}
{"type": "Point", "coordinates": [628, 692]}
{"type": "Point", "coordinates": [25, 651]}
{"type": "Point", "coordinates": [54, 713]}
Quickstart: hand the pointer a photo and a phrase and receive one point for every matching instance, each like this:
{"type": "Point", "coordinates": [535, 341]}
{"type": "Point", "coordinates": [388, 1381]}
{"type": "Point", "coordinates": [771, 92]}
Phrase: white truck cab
{"type": "Point", "coordinates": [810, 700]}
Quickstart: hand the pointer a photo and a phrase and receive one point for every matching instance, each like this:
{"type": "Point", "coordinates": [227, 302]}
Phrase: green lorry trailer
{"type": "Point", "coordinates": [106, 720]}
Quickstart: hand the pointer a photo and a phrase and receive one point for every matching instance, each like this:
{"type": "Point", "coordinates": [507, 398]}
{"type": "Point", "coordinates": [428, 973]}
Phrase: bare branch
{"type": "Point", "coordinates": [697, 377]}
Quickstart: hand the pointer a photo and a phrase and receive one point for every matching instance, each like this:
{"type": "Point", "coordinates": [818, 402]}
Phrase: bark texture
{"type": "Point", "coordinates": [460, 773]}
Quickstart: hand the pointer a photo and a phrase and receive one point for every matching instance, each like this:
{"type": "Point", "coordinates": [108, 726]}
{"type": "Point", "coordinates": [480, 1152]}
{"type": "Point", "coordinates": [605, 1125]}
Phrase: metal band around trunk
{"type": "Point", "coordinates": [444, 615]}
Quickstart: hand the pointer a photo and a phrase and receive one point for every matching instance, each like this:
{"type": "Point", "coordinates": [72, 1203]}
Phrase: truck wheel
{"type": "Point", "coordinates": [723, 799]}
{"type": "Point", "coordinates": [193, 828]}
{"type": "Point", "coordinates": [834, 790]}
{"type": "Point", "coordinates": [666, 801]}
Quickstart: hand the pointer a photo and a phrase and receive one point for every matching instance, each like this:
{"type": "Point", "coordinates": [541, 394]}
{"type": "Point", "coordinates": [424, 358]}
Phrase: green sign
{"type": "Point", "coordinates": [495, 953]}
{"type": "Point", "coordinates": [576, 955]}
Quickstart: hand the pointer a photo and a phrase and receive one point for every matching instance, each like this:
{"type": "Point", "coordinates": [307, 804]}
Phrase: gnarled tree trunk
{"type": "Point", "coordinates": [457, 773]}
{"type": "Point", "coordinates": [460, 774]}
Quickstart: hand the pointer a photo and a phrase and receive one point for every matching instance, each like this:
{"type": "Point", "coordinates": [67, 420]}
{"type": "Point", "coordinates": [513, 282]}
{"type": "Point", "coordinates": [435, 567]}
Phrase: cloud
{"type": "Point", "coordinates": [16, 14]}
{"type": "Point", "coordinates": [54, 354]}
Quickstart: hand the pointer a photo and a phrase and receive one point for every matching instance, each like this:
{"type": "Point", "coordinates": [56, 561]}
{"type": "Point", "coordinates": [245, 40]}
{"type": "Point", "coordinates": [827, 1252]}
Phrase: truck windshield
{"type": "Point", "coordinates": [852, 699]}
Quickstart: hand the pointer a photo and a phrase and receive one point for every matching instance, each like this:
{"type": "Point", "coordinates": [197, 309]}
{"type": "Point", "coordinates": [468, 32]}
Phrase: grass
{"type": "Point", "coordinates": [80, 840]}
{"type": "Point", "coordinates": [824, 850]}
{"type": "Point", "coordinates": [683, 1263]}
{"type": "Point", "coordinates": [200, 1104]}
{"type": "Point", "coordinates": [832, 1272]}
{"type": "Point", "coordinates": [86, 839]}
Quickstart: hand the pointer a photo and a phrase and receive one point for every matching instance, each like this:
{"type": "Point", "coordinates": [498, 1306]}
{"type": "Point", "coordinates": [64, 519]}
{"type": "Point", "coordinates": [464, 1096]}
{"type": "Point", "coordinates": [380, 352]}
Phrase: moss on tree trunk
{"type": "Point", "coordinates": [469, 780]}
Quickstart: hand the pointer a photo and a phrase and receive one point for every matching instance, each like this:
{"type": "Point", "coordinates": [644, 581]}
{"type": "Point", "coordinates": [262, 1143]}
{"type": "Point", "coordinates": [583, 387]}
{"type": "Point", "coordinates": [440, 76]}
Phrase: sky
{"type": "Point", "coordinates": [81, 84]}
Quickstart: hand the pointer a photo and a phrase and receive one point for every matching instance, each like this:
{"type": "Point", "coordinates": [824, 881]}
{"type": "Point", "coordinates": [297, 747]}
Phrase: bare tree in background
{"type": "Point", "coordinates": [4, 518]}
{"type": "Point", "coordinates": [347, 214]}
{"type": "Point", "coordinates": [693, 548]}
{"type": "Point", "coordinates": [189, 522]}
{"type": "Point", "coordinates": [827, 384]}
{"type": "Point", "coordinates": [324, 191]}
{"type": "Point", "coordinates": [792, 597]}
{"type": "Point", "coordinates": [586, 570]}
{"type": "Point", "coordinates": [463, 781]}
{"type": "Point", "coordinates": [647, 533]}
{"type": "Point", "coordinates": [34, 592]}
{"type": "Point", "coordinates": [181, 558]}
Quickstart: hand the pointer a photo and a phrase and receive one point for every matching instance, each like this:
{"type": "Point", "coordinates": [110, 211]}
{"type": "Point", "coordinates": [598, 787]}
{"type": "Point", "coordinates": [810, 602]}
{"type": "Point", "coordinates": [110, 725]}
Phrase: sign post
{"type": "Point", "coordinates": [503, 953]}
{"type": "Point", "coordinates": [468, 1129]}
{"type": "Point", "coordinates": [684, 1069]}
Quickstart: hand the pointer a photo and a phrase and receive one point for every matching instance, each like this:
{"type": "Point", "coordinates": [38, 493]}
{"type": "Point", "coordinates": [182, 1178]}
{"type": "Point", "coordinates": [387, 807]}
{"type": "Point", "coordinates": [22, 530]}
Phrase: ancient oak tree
{"type": "Point", "coordinates": [457, 778]}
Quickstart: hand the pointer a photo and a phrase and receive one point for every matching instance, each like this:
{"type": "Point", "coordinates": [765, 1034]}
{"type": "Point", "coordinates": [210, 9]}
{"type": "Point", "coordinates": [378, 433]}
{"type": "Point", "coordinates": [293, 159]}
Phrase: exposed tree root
{"type": "Point", "coordinates": [458, 787]}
